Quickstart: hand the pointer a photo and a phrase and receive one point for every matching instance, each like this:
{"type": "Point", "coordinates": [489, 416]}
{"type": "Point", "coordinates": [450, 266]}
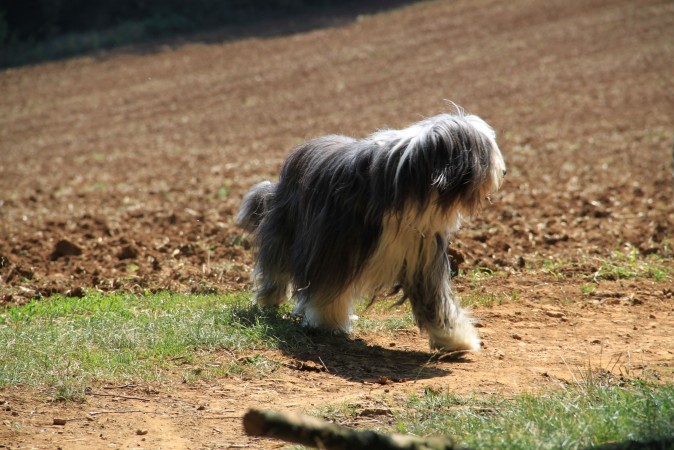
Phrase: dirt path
{"type": "Point", "coordinates": [124, 172]}
{"type": "Point", "coordinates": [528, 347]}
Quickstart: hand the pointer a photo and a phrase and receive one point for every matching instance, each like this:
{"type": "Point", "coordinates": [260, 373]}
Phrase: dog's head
{"type": "Point", "coordinates": [484, 143]}
{"type": "Point", "coordinates": [450, 160]}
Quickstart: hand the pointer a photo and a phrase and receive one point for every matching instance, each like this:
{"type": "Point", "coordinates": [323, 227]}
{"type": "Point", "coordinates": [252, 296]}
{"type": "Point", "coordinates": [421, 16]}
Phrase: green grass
{"type": "Point", "coordinates": [475, 294]}
{"type": "Point", "coordinates": [488, 299]}
{"type": "Point", "coordinates": [592, 412]}
{"type": "Point", "coordinates": [587, 289]}
{"type": "Point", "coordinates": [629, 264]}
{"type": "Point", "coordinates": [383, 317]}
{"type": "Point", "coordinates": [65, 343]}
{"type": "Point", "coordinates": [574, 418]}
{"type": "Point", "coordinates": [556, 268]}
{"type": "Point", "coordinates": [384, 325]}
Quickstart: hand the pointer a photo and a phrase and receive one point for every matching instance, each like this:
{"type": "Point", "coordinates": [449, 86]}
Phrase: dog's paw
{"type": "Point", "coordinates": [461, 338]}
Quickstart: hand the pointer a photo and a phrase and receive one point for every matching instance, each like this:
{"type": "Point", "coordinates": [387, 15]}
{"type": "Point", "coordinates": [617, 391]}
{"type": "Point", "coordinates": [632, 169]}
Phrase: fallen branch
{"type": "Point", "coordinates": [125, 397]}
{"type": "Point", "coordinates": [126, 411]}
{"type": "Point", "coordinates": [124, 386]}
{"type": "Point", "coordinates": [313, 432]}
{"type": "Point", "coordinates": [654, 444]}
{"type": "Point", "coordinates": [60, 421]}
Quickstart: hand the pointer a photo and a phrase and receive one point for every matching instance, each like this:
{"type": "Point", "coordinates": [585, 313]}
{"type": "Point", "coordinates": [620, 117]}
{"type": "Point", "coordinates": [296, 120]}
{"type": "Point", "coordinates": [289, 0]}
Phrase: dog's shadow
{"type": "Point", "coordinates": [347, 357]}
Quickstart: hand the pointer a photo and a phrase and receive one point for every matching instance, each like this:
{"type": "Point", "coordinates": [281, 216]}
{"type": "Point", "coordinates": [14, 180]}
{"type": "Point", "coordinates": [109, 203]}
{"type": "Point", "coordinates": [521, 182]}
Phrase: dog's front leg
{"type": "Point", "coordinates": [436, 308]}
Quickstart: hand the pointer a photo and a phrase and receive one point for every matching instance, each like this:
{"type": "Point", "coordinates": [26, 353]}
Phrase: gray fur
{"type": "Point", "coordinates": [318, 229]}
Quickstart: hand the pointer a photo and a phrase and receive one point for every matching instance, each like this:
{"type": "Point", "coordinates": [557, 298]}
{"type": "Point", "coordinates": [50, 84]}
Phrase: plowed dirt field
{"type": "Point", "coordinates": [123, 171]}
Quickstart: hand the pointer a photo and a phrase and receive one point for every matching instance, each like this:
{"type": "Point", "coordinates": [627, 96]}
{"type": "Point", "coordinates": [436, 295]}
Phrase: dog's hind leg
{"type": "Point", "coordinates": [332, 312]}
{"type": "Point", "coordinates": [272, 289]}
{"type": "Point", "coordinates": [272, 278]}
{"type": "Point", "coordinates": [272, 274]}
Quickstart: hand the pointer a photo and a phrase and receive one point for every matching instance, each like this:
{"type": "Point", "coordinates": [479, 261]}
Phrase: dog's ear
{"type": "Point", "coordinates": [461, 160]}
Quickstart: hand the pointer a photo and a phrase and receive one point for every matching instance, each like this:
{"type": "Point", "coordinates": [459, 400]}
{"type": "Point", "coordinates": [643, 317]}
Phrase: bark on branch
{"type": "Point", "coordinates": [313, 432]}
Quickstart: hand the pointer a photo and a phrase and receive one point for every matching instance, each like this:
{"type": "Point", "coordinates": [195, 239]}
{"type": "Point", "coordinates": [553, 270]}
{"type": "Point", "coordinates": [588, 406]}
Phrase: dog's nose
{"type": "Point", "coordinates": [504, 172]}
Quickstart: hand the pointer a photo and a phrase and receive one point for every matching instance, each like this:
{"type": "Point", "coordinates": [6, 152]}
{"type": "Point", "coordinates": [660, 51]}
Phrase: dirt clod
{"type": "Point", "coordinates": [64, 248]}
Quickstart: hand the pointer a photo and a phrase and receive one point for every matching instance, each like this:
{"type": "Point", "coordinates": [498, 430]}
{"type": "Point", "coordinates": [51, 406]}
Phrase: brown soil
{"type": "Point", "coordinates": [123, 172]}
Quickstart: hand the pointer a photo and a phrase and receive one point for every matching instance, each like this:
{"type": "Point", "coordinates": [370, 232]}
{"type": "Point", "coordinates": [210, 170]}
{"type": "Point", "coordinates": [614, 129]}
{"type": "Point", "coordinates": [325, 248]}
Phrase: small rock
{"type": "Point", "coordinates": [127, 252]}
{"type": "Point", "coordinates": [555, 238]}
{"type": "Point", "coordinates": [652, 316]}
{"type": "Point", "coordinates": [141, 432]}
{"type": "Point", "coordinates": [369, 412]}
{"type": "Point", "coordinates": [555, 314]}
{"type": "Point", "coordinates": [77, 291]}
{"type": "Point", "coordinates": [383, 380]}
{"type": "Point", "coordinates": [517, 337]}
{"type": "Point", "coordinates": [60, 421]}
{"type": "Point", "coordinates": [64, 248]}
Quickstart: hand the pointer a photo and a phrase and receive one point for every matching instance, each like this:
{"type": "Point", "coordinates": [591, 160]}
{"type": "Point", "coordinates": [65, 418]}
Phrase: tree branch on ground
{"type": "Point", "coordinates": [314, 432]}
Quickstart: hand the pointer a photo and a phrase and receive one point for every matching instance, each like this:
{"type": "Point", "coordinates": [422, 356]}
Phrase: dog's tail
{"type": "Point", "coordinates": [255, 206]}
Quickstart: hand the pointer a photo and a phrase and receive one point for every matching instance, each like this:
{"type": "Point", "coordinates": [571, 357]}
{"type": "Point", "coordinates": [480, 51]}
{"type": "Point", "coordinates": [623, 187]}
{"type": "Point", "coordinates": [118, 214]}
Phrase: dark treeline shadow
{"type": "Point", "coordinates": [157, 32]}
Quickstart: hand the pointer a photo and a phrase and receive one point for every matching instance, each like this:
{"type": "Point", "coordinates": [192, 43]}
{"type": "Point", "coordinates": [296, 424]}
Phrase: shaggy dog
{"type": "Point", "coordinates": [351, 217]}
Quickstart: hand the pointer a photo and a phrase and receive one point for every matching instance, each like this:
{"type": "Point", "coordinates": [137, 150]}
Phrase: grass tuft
{"type": "Point", "coordinates": [385, 316]}
{"type": "Point", "coordinates": [629, 264]}
{"type": "Point", "coordinates": [64, 343]}
{"type": "Point", "coordinates": [581, 416]}
{"type": "Point", "coordinates": [599, 408]}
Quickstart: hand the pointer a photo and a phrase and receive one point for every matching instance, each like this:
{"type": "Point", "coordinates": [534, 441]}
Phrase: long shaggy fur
{"type": "Point", "coordinates": [350, 217]}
